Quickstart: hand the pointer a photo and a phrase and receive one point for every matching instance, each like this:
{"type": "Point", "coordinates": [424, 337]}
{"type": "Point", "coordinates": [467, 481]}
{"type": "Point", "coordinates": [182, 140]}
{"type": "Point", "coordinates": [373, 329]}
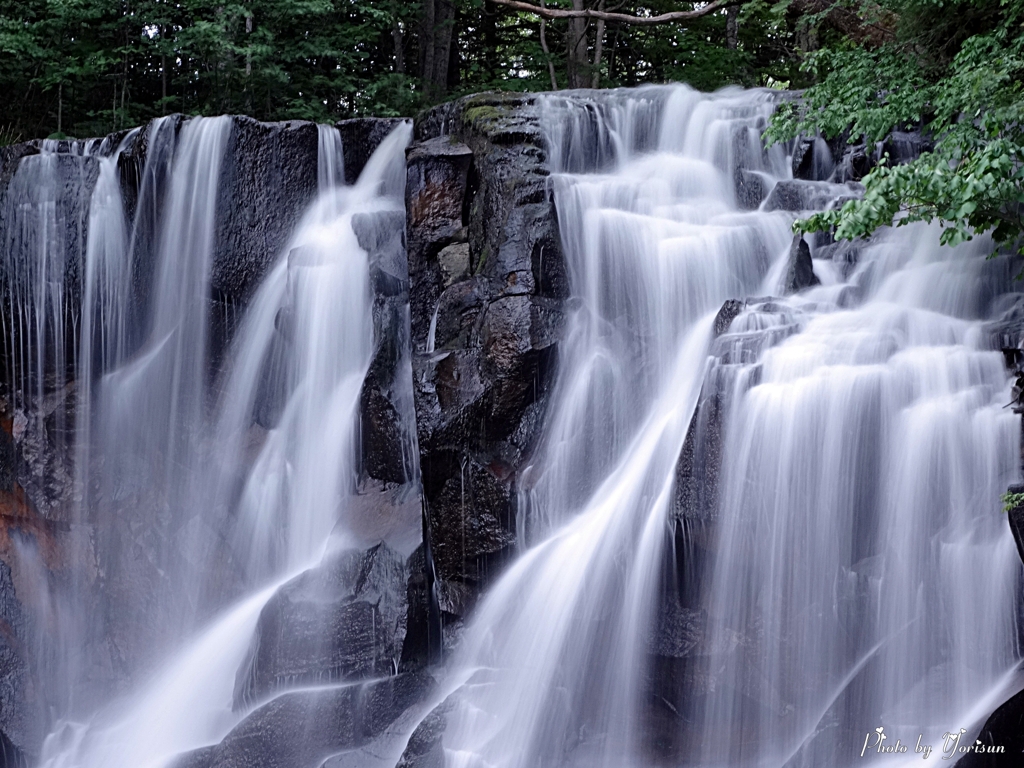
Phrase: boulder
{"type": "Point", "coordinates": [486, 272]}
{"type": "Point", "coordinates": [795, 195]}
{"type": "Point", "coordinates": [425, 748]}
{"type": "Point", "coordinates": [360, 136]}
{"type": "Point", "coordinates": [751, 189]}
{"type": "Point", "coordinates": [344, 620]}
{"type": "Point", "coordinates": [800, 273]}
{"type": "Point", "coordinates": [812, 159]}
{"type": "Point", "coordinates": [305, 728]}
{"type": "Point", "coordinates": [1005, 728]}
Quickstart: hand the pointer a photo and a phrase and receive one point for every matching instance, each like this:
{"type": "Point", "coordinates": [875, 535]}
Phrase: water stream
{"type": "Point", "coordinates": [265, 497]}
{"type": "Point", "coordinates": [850, 569]}
{"type": "Point", "coordinates": [862, 573]}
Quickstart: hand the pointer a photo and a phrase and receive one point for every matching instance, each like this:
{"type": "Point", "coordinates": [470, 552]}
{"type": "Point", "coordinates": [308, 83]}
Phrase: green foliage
{"type": "Point", "coordinates": [88, 67]}
{"type": "Point", "coordinates": [1011, 501]}
{"type": "Point", "coordinates": [969, 100]}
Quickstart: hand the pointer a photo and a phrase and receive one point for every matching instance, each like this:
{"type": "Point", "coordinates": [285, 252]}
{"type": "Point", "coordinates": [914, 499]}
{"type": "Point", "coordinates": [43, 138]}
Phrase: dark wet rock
{"type": "Point", "coordinates": [751, 189]}
{"type": "Point", "coordinates": [304, 728]}
{"type": "Point", "coordinates": [856, 163]}
{"type": "Point", "coordinates": [344, 620]}
{"type": "Point", "coordinates": [387, 438]}
{"type": "Point", "coordinates": [844, 254]}
{"type": "Point", "coordinates": [681, 665]}
{"type": "Point", "coordinates": [484, 252]}
{"type": "Point", "coordinates": [425, 748]}
{"type": "Point", "coordinates": [747, 157]}
{"type": "Point", "coordinates": [10, 156]}
{"type": "Point", "coordinates": [1016, 518]}
{"type": "Point", "coordinates": [10, 755]}
{"type": "Point", "coordinates": [794, 195]}
{"type": "Point", "coordinates": [1007, 332]}
{"type": "Point", "coordinates": [812, 159]}
{"type": "Point", "coordinates": [437, 195]}
{"type": "Point", "coordinates": [55, 188]}
{"type": "Point", "coordinates": [1005, 728]}
{"type": "Point", "coordinates": [360, 136]}
{"type": "Point", "coordinates": [730, 309]}
{"type": "Point", "coordinates": [905, 146]}
{"type": "Point", "coordinates": [273, 168]}
{"type": "Point", "coordinates": [699, 465]}
{"type": "Point", "coordinates": [800, 273]}
{"type": "Point", "coordinates": [454, 262]}
{"type": "Point", "coordinates": [15, 674]}
{"type": "Point", "coordinates": [197, 758]}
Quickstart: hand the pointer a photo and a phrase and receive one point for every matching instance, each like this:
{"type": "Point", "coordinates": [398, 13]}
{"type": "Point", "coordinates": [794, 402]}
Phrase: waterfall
{"type": "Point", "coordinates": [759, 521]}
{"type": "Point", "coordinates": [861, 573]}
{"type": "Point", "coordinates": [254, 467]}
{"type": "Point", "coordinates": [860, 528]}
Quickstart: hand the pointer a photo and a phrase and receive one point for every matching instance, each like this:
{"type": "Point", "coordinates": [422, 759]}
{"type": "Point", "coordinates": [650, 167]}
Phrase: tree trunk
{"type": "Point", "coordinates": [547, 51]}
{"type": "Point", "coordinates": [595, 81]}
{"type": "Point", "coordinates": [436, 29]}
{"type": "Point", "coordinates": [577, 63]}
{"type": "Point", "coordinates": [396, 39]}
{"type": "Point", "coordinates": [732, 27]}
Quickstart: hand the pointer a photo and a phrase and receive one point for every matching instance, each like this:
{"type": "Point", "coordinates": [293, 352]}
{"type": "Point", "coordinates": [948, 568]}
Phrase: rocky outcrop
{"type": "Point", "coordinates": [359, 137]}
{"type": "Point", "coordinates": [308, 727]}
{"type": "Point", "coordinates": [846, 158]}
{"type": "Point", "coordinates": [344, 620]}
{"type": "Point", "coordinates": [425, 747]}
{"type": "Point", "coordinates": [488, 282]}
{"type": "Point", "coordinates": [678, 652]}
{"type": "Point", "coordinates": [800, 273]}
{"type": "Point", "coordinates": [1005, 728]}
{"type": "Point", "coordinates": [273, 168]}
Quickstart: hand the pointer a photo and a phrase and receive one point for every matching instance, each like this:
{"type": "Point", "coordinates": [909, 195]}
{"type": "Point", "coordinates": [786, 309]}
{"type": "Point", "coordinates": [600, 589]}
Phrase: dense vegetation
{"type": "Point", "coordinates": [87, 67]}
{"type": "Point", "coordinates": [953, 67]}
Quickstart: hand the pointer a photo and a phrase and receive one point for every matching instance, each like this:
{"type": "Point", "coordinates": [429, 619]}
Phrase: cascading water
{"type": "Point", "coordinates": [863, 574]}
{"type": "Point", "coordinates": [655, 245]}
{"type": "Point", "coordinates": [264, 471]}
{"type": "Point", "coordinates": [861, 555]}
{"type": "Point", "coordinates": [855, 571]}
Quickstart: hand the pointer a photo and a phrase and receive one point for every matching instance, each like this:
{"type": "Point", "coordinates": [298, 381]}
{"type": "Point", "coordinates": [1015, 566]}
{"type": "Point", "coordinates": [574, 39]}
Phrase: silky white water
{"type": "Point", "coordinates": [862, 573]}
{"type": "Point", "coordinates": [272, 469]}
{"type": "Point", "coordinates": [856, 572]}
{"type": "Point", "coordinates": [862, 554]}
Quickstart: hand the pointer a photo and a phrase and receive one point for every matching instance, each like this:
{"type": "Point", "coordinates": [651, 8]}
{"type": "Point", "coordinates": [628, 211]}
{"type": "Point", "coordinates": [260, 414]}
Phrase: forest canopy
{"type": "Point", "coordinates": [88, 67]}
{"type": "Point", "coordinates": [952, 68]}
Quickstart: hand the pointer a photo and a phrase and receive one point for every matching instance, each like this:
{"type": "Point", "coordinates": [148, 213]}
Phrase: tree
{"type": "Point", "coordinates": [954, 68]}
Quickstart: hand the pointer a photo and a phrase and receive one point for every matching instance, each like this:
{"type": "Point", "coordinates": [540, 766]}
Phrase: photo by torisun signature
{"type": "Point", "coordinates": [874, 741]}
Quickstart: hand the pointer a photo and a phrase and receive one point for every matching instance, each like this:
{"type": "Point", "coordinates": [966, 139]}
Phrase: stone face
{"type": "Point", "coordinates": [1016, 519]}
{"type": "Point", "coordinates": [386, 428]}
{"type": "Point", "coordinates": [345, 620]}
{"type": "Point", "coordinates": [794, 195]}
{"type": "Point", "coordinates": [800, 274]}
{"type": "Point", "coordinates": [1005, 728]}
{"type": "Point", "coordinates": [484, 252]}
{"type": "Point", "coordinates": [454, 262]}
{"type": "Point", "coordinates": [751, 189]}
{"type": "Point", "coordinates": [359, 137]}
{"type": "Point", "coordinates": [678, 649]}
{"type": "Point", "coordinates": [273, 168]}
{"type": "Point", "coordinates": [425, 748]}
{"type": "Point", "coordinates": [44, 208]}
{"type": "Point", "coordinates": [304, 728]}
